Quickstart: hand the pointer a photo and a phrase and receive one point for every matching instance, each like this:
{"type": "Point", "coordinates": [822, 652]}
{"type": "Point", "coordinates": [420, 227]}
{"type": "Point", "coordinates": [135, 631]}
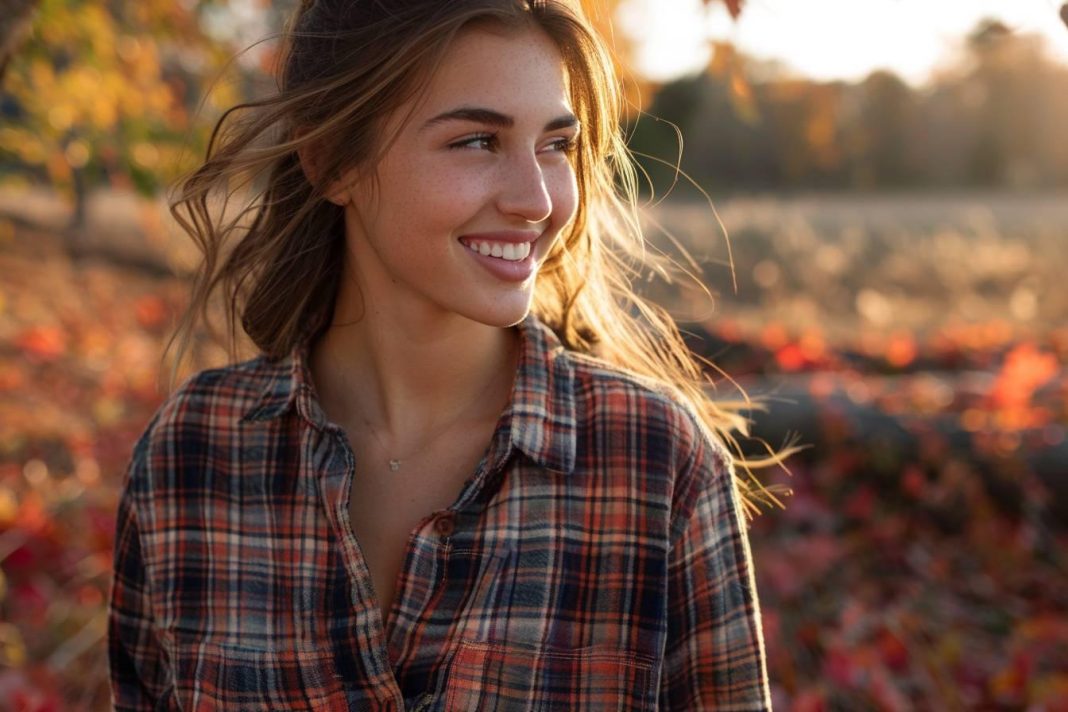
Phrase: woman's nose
{"type": "Point", "coordinates": [523, 191]}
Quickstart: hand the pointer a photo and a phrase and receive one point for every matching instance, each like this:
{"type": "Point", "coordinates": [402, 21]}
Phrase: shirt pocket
{"type": "Point", "coordinates": [227, 677]}
{"type": "Point", "coordinates": [500, 678]}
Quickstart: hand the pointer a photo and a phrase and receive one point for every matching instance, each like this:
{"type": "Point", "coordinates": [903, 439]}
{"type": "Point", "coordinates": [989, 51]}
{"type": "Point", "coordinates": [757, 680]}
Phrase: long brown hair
{"type": "Point", "coordinates": [277, 255]}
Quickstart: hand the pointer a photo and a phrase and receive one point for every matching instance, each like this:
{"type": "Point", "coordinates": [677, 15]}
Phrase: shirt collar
{"type": "Point", "coordinates": [540, 416]}
{"type": "Point", "coordinates": [543, 399]}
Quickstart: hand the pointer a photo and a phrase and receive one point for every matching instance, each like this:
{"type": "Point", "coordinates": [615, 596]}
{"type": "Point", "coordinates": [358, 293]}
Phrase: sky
{"type": "Point", "coordinates": [828, 39]}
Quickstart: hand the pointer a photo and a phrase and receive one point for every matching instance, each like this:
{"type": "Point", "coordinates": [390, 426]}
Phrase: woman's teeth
{"type": "Point", "coordinates": [512, 252]}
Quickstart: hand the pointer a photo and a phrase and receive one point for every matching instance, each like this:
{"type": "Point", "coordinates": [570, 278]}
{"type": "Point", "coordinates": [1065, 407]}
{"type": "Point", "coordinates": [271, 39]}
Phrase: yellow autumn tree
{"type": "Point", "coordinates": [639, 91]}
{"type": "Point", "coordinates": [109, 92]}
{"type": "Point", "coordinates": [104, 92]}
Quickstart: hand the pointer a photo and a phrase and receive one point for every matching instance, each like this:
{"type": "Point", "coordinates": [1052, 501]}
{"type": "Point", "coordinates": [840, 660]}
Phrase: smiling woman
{"type": "Point", "coordinates": [470, 469]}
{"type": "Point", "coordinates": [480, 158]}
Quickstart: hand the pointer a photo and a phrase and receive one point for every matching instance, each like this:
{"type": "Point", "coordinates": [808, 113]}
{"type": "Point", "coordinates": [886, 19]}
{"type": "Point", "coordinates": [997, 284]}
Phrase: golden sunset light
{"type": "Point", "coordinates": [828, 39]}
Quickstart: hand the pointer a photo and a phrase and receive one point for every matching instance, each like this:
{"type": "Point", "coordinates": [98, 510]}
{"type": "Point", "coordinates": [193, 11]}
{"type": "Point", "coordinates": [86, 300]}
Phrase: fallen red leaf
{"type": "Point", "coordinates": [1026, 369]}
{"type": "Point", "coordinates": [43, 343]}
{"type": "Point", "coordinates": [809, 701]}
{"type": "Point", "coordinates": [894, 652]}
{"type": "Point", "coordinates": [790, 358]}
{"type": "Point", "coordinates": [151, 311]}
{"type": "Point", "coordinates": [901, 351]}
{"type": "Point", "coordinates": [913, 482]}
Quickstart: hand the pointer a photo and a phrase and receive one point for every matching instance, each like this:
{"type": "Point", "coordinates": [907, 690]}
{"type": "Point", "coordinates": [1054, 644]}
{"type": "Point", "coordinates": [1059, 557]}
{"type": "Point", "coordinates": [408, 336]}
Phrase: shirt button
{"type": "Point", "coordinates": [445, 525]}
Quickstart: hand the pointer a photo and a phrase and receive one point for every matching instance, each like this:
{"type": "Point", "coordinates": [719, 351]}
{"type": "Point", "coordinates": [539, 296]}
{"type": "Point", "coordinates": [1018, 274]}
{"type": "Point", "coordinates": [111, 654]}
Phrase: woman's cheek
{"type": "Point", "coordinates": [457, 192]}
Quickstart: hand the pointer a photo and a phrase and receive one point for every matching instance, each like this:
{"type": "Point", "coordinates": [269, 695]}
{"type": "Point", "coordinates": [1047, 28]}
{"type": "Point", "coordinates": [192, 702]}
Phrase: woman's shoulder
{"type": "Point", "coordinates": [641, 425]}
{"type": "Point", "coordinates": [608, 378]}
{"type": "Point", "coordinates": [224, 391]}
{"type": "Point", "coordinates": [612, 397]}
{"type": "Point", "coordinates": [588, 371]}
{"type": "Point", "coordinates": [607, 396]}
{"type": "Point", "coordinates": [210, 404]}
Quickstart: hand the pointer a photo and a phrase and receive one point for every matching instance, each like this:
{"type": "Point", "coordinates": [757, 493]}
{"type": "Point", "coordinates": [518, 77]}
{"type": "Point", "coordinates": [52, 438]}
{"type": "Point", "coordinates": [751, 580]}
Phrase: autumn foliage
{"type": "Point", "coordinates": [916, 344]}
{"type": "Point", "coordinates": [918, 565]}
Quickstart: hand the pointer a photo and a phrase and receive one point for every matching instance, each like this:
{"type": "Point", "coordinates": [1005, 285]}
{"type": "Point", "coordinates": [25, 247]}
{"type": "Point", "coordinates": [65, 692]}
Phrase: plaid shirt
{"type": "Point", "coordinates": [596, 560]}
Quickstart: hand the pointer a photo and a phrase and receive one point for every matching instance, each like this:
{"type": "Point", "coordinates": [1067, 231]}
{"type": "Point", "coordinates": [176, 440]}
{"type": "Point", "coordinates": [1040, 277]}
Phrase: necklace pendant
{"type": "Point", "coordinates": [394, 465]}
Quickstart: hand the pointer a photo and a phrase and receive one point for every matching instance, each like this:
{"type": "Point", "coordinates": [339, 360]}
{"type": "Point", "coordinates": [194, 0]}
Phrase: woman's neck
{"type": "Point", "coordinates": [411, 378]}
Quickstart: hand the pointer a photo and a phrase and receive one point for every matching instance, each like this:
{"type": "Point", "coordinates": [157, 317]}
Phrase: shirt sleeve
{"type": "Point", "coordinates": [714, 657]}
{"type": "Point", "coordinates": [140, 673]}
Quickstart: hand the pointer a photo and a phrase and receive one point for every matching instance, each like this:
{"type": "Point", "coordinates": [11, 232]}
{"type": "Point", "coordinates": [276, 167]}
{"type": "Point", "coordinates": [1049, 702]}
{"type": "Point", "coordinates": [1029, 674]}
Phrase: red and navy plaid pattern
{"type": "Point", "coordinates": [596, 560]}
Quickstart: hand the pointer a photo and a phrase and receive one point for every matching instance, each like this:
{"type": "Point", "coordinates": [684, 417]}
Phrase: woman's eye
{"type": "Point", "coordinates": [564, 144]}
{"type": "Point", "coordinates": [482, 142]}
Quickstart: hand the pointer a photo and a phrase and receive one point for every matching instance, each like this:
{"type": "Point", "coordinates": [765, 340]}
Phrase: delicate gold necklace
{"type": "Point", "coordinates": [396, 462]}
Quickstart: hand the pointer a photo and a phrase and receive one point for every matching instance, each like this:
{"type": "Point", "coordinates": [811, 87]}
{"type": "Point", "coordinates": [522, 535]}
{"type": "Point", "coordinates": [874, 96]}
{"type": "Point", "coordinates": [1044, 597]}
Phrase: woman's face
{"type": "Point", "coordinates": [470, 196]}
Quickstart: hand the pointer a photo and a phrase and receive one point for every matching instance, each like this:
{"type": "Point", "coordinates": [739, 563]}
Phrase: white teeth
{"type": "Point", "coordinates": [506, 251]}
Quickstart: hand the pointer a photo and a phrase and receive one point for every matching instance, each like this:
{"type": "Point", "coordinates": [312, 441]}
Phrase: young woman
{"type": "Point", "coordinates": [470, 470]}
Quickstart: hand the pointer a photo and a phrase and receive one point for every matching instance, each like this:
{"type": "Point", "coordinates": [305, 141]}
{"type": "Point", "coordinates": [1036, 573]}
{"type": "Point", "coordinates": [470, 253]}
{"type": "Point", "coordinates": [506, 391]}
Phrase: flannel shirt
{"type": "Point", "coordinates": [596, 560]}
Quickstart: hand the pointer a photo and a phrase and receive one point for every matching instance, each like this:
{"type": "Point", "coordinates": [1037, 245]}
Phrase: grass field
{"type": "Point", "coordinates": [917, 344]}
{"type": "Point", "coordinates": [849, 265]}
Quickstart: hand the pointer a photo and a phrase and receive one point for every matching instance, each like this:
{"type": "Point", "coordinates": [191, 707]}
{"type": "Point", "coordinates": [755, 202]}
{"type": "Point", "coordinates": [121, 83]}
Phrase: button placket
{"type": "Point", "coordinates": [335, 481]}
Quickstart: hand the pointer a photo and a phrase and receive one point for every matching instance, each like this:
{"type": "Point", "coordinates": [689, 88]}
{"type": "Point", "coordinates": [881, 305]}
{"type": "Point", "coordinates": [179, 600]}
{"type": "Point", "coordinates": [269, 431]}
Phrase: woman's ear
{"type": "Point", "coordinates": [336, 192]}
{"type": "Point", "coordinates": [339, 192]}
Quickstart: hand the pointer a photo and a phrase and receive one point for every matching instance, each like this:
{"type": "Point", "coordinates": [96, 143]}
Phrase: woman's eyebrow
{"type": "Point", "coordinates": [495, 118]}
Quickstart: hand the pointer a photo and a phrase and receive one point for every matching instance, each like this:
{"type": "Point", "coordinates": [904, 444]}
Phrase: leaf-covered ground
{"type": "Point", "coordinates": [919, 564]}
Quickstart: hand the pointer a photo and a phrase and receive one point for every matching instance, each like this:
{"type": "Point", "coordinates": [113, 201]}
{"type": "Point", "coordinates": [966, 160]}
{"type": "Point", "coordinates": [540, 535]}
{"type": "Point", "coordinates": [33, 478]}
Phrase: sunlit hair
{"type": "Point", "coordinates": [347, 65]}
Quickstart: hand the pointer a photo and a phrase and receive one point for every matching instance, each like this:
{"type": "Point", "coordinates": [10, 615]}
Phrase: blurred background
{"type": "Point", "coordinates": [875, 195]}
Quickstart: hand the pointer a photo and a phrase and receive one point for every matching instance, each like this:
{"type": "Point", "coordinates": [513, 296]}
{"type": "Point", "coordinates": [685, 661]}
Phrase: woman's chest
{"type": "Point", "coordinates": [386, 512]}
{"type": "Point", "coordinates": [523, 629]}
{"type": "Point", "coordinates": [524, 590]}
{"type": "Point", "coordinates": [391, 498]}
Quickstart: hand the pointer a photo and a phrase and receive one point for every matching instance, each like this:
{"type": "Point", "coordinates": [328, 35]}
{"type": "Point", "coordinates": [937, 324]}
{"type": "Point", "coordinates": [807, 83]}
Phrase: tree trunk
{"type": "Point", "coordinates": [14, 22]}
